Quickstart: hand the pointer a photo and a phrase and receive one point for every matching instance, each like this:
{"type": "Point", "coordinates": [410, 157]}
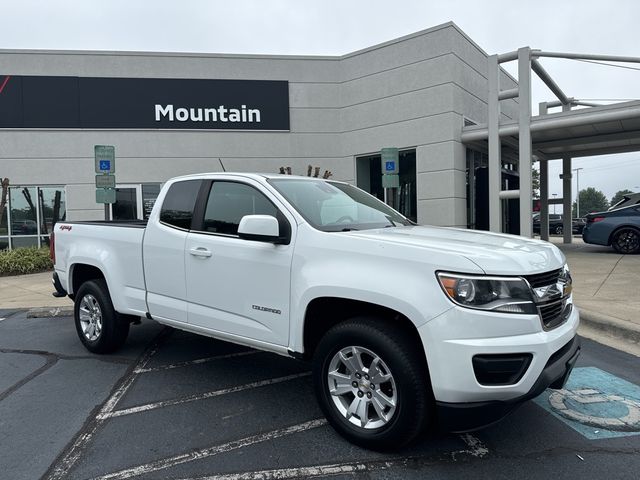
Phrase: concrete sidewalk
{"type": "Point", "coordinates": [606, 289]}
{"type": "Point", "coordinates": [29, 291]}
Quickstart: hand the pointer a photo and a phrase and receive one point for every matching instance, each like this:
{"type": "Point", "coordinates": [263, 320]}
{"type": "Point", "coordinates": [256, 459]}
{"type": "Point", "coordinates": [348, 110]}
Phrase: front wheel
{"type": "Point", "coordinates": [101, 329]}
{"type": "Point", "coordinates": [558, 230]}
{"type": "Point", "coordinates": [372, 383]}
{"type": "Point", "coordinates": [626, 240]}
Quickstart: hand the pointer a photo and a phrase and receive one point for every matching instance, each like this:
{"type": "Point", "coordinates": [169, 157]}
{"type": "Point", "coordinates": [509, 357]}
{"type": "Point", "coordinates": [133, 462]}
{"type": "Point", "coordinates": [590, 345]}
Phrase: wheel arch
{"type": "Point", "coordinates": [80, 273]}
{"type": "Point", "coordinates": [323, 313]}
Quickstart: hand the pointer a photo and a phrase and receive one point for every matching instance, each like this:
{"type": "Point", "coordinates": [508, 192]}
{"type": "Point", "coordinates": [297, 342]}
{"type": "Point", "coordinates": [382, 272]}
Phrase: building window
{"type": "Point", "coordinates": [404, 198]}
{"type": "Point", "coordinates": [30, 215]}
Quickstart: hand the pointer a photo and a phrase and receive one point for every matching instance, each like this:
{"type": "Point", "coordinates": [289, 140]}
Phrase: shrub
{"type": "Point", "coordinates": [24, 260]}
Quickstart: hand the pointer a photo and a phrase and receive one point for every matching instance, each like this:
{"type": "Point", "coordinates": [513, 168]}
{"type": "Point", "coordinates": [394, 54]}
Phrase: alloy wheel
{"type": "Point", "coordinates": [362, 387]}
{"type": "Point", "coordinates": [90, 317]}
{"type": "Point", "coordinates": [628, 241]}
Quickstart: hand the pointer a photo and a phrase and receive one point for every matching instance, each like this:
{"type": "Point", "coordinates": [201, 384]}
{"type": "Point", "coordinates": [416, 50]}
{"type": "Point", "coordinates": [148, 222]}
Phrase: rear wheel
{"type": "Point", "coordinates": [626, 240]}
{"type": "Point", "coordinates": [372, 383]}
{"type": "Point", "coordinates": [100, 328]}
{"type": "Point", "coordinates": [558, 230]}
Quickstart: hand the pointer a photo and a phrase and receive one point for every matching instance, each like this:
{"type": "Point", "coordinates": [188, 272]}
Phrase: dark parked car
{"type": "Point", "coordinates": [555, 224]}
{"type": "Point", "coordinates": [619, 228]}
{"type": "Point", "coordinates": [577, 225]}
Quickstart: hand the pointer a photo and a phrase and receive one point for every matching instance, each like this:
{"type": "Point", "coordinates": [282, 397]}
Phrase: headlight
{"type": "Point", "coordinates": [497, 294]}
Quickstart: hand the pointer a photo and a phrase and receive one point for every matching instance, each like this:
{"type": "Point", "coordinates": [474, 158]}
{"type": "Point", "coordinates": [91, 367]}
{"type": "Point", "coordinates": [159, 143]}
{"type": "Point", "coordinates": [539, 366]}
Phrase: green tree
{"type": "Point", "coordinates": [618, 196]}
{"type": "Point", "coordinates": [535, 183]}
{"type": "Point", "coordinates": [591, 200]}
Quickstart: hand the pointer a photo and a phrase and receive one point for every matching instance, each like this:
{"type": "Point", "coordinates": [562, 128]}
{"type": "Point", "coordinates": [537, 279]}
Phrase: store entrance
{"type": "Point", "coordinates": [126, 206]}
{"type": "Point", "coordinates": [134, 202]}
{"type": "Point", "coordinates": [403, 199]}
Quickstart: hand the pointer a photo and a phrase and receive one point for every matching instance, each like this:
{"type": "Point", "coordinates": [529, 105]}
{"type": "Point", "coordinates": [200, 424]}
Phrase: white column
{"type": "Point", "coordinates": [566, 194]}
{"type": "Point", "coordinates": [524, 140]}
{"type": "Point", "coordinates": [544, 199]}
{"type": "Point", "coordinates": [495, 162]}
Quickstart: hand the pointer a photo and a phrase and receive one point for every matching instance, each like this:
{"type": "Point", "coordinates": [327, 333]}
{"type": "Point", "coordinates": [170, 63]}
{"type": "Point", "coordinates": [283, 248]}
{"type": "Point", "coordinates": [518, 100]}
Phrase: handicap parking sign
{"type": "Point", "coordinates": [105, 165]}
{"type": "Point", "coordinates": [390, 166]}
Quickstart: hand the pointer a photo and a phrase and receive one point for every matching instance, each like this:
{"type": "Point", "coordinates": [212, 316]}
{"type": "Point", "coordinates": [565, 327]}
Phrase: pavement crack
{"type": "Point", "coordinates": [608, 275]}
{"type": "Point", "coordinates": [62, 356]}
{"type": "Point", "coordinates": [563, 450]}
{"type": "Point", "coordinates": [50, 361]}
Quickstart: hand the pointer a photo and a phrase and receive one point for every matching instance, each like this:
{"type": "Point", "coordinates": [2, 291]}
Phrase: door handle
{"type": "Point", "coordinates": [200, 252]}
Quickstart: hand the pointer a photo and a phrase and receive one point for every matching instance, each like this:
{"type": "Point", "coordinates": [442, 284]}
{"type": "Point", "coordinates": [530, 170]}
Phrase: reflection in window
{"type": "Point", "coordinates": [4, 219]}
{"type": "Point", "coordinates": [52, 208]}
{"type": "Point", "coordinates": [150, 192]}
{"type": "Point", "coordinates": [23, 201]}
{"type": "Point", "coordinates": [229, 202]}
{"type": "Point", "coordinates": [30, 214]}
{"type": "Point", "coordinates": [18, 242]}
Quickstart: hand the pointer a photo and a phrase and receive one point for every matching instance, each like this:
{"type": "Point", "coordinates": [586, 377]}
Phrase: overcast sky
{"type": "Point", "coordinates": [331, 27]}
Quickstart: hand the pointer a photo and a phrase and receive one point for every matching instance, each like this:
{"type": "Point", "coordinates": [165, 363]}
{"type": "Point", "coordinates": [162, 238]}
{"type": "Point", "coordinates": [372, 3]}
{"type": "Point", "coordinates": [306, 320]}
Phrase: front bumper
{"type": "Point", "coordinates": [452, 340]}
{"type": "Point", "coordinates": [463, 417]}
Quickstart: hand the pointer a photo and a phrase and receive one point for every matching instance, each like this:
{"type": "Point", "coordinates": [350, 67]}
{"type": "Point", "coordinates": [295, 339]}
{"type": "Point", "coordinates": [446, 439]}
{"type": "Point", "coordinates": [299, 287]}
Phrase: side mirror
{"type": "Point", "coordinates": [261, 228]}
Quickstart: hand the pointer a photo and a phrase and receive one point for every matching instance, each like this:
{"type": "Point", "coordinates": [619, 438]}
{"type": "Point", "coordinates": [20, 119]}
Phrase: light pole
{"type": "Point", "coordinates": [554, 202]}
{"type": "Point", "coordinates": [578, 188]}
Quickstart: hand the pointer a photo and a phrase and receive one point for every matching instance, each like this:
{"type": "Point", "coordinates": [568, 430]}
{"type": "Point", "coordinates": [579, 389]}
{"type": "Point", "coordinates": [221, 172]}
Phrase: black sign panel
{"type": "Point", "coordinates": [122, 103]}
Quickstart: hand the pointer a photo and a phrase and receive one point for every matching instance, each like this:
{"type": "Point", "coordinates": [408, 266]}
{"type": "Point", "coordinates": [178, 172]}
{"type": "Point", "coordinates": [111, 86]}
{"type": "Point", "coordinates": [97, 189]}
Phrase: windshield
{"type": "Point", "coordinates": [337, 207]}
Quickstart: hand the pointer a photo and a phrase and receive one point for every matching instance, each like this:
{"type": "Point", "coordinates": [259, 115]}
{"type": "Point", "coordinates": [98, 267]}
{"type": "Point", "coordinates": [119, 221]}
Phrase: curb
{"type": "Point", "coordinates": [45, 312]}
{"type": "Point", "coordinates": [622, 329]}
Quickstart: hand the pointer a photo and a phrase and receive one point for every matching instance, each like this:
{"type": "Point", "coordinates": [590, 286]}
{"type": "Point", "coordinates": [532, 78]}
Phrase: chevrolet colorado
{"type": "Point", "coordinates": [406, 326]}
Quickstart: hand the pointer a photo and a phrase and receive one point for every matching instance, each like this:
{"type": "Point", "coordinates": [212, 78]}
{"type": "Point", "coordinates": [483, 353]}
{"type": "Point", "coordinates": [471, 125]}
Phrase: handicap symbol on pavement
{"type": "Point", "coordinates": [574, 405]}
{"type": "Point", "coordinates": [595, 404]}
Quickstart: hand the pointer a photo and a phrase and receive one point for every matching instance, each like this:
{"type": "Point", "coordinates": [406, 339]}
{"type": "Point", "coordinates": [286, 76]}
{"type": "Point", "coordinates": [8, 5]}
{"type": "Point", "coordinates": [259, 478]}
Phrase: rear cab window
{"type": "Point", "coordinates": [179, 203]}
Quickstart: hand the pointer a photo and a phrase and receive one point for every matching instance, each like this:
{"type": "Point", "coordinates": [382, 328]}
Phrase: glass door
{"type": "Point", "coordinates": [134, 201]}
{"type": "Point", "coordinates": [128, 204]}
{"type": "Point", "coordinates": [404, 198]}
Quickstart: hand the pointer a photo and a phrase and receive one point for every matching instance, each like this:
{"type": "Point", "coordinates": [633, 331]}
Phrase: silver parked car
{"type": "Point", "coordinates": [619, 228]}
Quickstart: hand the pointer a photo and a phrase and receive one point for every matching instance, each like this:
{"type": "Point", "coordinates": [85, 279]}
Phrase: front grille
{"type": "Point", "coordinates": [541, 279]}
{"type": "Point", "coordinates": [547, 312]}
{"type": "Point", "coordinates": [552, 304]}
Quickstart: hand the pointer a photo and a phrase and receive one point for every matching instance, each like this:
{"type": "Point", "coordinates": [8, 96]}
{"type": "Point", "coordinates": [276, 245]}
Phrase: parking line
{"type": "Point", "coordinates": [201, 396]}
{"type": "Point", "coordinates": [74, 453]}
{"type": "Point", "coordinates": [195, 362]}
{"type": "Point", "coordinates": [210, 451]}
{"type": "Point", "coordinates": [476, 449]}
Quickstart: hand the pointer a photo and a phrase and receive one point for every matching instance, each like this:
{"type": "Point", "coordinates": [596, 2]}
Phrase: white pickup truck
{"type": "Point", "coordinates": [407, 326]}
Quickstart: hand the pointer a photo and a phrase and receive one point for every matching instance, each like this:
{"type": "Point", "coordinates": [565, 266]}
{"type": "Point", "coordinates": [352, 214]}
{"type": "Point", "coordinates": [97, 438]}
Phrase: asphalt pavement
{"type": "Point", "coordinates": [179, 406]}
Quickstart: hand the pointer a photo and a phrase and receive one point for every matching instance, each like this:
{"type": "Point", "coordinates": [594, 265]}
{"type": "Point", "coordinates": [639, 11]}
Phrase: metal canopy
{"type": "Point", "coordinates": [580, 132]}
{"type": "Point", "coordinates": [584, 132]}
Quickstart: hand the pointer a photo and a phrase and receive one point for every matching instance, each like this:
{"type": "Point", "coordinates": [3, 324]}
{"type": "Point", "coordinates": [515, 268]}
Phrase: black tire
{"type": "Point", "coordinates": [400, 353]}
{"type": "Point", "coordinates": [94, 300]}
{"type": "Point", "coordinates": [626, 241]}
{"type": "Point", "coordinates": [558, 230]}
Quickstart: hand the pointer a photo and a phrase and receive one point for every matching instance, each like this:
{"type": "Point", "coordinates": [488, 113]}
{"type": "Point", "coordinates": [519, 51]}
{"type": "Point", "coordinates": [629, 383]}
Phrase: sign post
{"type": "Point", "coordinates": [105, 167]}
{"type": "Point", "coordinates": [390, 168]}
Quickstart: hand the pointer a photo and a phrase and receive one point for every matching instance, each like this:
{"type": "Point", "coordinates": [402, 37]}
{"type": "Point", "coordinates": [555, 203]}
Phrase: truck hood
{"type": "Point", "coordinates": [496, 254]}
